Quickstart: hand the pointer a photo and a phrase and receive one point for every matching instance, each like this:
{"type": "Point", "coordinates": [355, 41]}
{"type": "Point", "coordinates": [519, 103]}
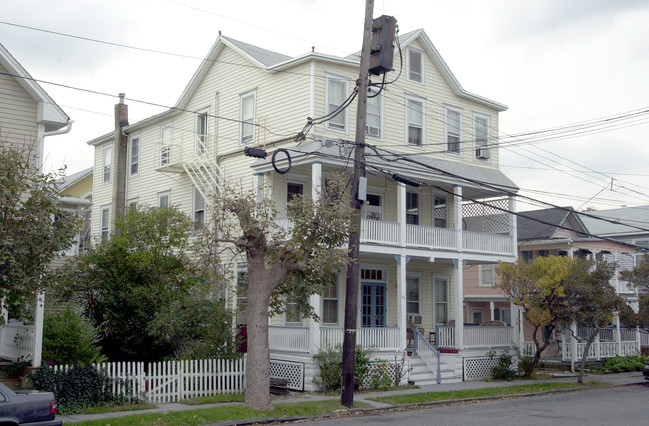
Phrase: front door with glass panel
{"type": "Point", "coordinates": [373, 304]}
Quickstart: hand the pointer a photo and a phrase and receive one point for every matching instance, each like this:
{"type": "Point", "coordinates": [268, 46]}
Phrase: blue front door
{"type": "Point", "coordinates": [373, 304]}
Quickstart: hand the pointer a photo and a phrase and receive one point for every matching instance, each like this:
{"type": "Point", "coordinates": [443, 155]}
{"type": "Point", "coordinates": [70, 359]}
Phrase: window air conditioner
{"type": "Point", "coordinates": [416, 319]}
{"type": "Point", "coordinates": [482, 153]}
{"type": "Point", "coordinates": [373, 131]}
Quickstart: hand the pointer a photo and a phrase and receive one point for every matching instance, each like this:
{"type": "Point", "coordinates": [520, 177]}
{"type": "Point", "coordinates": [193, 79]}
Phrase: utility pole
{"type": "Point", "coordinates": [351, 298]}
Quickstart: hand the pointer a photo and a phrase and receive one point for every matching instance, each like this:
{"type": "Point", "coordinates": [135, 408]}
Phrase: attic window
{"type": "Point", "coordinates": [415, 66]}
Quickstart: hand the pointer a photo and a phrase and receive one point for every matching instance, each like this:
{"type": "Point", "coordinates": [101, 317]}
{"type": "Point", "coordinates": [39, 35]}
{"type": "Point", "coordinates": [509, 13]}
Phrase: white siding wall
{"type": "Point", "coordinates": [18, 113]}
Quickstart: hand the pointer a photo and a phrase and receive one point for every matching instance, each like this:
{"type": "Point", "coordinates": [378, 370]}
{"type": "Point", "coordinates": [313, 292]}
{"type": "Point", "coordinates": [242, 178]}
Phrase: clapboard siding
{"type": "Point", "coordinates": [18, 112]}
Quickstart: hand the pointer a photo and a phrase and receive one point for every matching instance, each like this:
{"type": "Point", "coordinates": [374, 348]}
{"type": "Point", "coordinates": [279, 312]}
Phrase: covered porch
{"type": "Point", "coordinates": [20, 341]}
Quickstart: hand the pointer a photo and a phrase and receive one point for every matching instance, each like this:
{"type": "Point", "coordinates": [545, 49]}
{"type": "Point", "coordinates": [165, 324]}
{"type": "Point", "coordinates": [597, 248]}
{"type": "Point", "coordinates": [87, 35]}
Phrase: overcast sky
{"type": "Point", "coordinates": [553, 62]}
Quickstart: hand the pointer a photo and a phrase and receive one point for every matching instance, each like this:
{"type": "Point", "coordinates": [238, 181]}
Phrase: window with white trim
{"type": "Point", "coordinates": [134, 155]}
{"type": "Point", "coordinates": [453, 130]}
{"type": "Point", "coordinates": [374, 116]}
{"type": "Point", "coordinates": [247, 117]}
{"type": "Point", "coordinates": [132, 202]}
{"type": "Point", "coordinates": [440, 300]}
{"type": "Point", "coordinates": [415, 65]}
{"type": "Point", "coordinates": [330, 304]}
{"type": "Point", "coordinates": [412, 208]}
{"type": "Point", "coordinates": [337, 89]}
{"type": "Point", "coordinates": [201, 131]}
{"type": "Point", "coordinates": [105, 222]}
{"type": "Point", "coordinates": [415, 121]}
{"type": "Point", "coordinates": [440, 212]}
{"type": "Point", "coordinates": [293, 189]}
{"type": "Point", "coordinates": [165, 144]}
{"type": "Point", "coordinates": [374, 207]}
{"type": "Point", "coordinates": [481, 134]}
{"type": "Point", "coordinates": [503, 314]}
{"type": "Point", "coordinates": [477, 315]}
{"type": "Point", "coordinates": [413, 301]}
{"type": "Point", "coordinates": [163, 199]}
{"type": "Point", "coordinates": [486, 273]}
{"type": "Point", "coordinates": [242, 298]}
{"type": "Point", "coordinates": [199, 207]}
{"type": "Point", "coordinates": [108, 163]}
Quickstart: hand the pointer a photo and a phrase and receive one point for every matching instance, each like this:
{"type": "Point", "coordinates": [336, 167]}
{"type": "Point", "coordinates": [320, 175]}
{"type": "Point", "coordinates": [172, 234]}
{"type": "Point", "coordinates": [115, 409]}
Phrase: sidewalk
{"type": "Point", "coordinates": [618, 379]}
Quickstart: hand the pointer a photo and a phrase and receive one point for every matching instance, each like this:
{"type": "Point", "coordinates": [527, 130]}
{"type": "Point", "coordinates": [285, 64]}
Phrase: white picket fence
{"type": "Point", "coordinates": [173, 381]}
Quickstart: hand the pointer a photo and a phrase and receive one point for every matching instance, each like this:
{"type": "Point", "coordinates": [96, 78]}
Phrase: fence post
{"type": "Point", "coordinates": [181, 383]}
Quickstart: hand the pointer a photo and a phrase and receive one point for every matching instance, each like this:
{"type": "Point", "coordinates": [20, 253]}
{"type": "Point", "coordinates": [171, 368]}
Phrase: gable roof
{"type": "Point", "coordinates": [638, 217]}
{"type": "Point", "coordinates": [544, 224]}
{"type": "Point", "coordinates": [67, 181]}
{"type": "Point", "coordinates": [49, 113]}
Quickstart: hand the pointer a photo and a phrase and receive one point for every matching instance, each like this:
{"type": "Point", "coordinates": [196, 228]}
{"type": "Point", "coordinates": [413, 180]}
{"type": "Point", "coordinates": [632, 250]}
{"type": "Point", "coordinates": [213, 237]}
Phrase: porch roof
{"type": "Point", "coordinates": [475, 179]}
{"type": "Point", "coordinates": [486, 298]}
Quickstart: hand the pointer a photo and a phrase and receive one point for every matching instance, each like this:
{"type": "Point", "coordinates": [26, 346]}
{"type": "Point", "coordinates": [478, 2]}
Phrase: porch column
{"type": "Point", "coordinates": [573, 346]}
{"type": "Point", "coordinates": [513, 226]}
{"type": "Point", "coordinates": [459, 269]}
{"type": "Point", "coordinates": [315, 300]}
{"type": "Point", "coordinates": [402, 260]}
{"type": "Point", "coordinates": [616, 334]}
{"type": "Point", "coordinates": [521, 324]}
{"type": "Point", "coordinates": [492, 308]}
{"type": "Point", "coordinates": [598, 350]}
{"type": "Point", "coordinates": [38, 329]}
{"type": "Point", "coordinates": [3, 310]}
{"type": "Point", "coordinates": [401, 212]}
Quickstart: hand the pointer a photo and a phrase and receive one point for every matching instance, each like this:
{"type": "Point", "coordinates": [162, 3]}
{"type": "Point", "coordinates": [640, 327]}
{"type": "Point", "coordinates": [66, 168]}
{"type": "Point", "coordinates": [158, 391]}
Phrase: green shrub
{"type": "Point", "coordinates": [331, 362]}
{"type": "Point", "coordinates": [626, 363]}
{"type": "Point", "coordinates": [69, 338]}
{"type": "Point", "coordinates": [78, 387]}
{"type": "Point", "coordinates": [503, 369]}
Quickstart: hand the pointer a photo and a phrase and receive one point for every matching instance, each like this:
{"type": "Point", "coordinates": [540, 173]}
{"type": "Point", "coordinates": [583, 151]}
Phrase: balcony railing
{"type": "Point", "coordinates": [476, 336]}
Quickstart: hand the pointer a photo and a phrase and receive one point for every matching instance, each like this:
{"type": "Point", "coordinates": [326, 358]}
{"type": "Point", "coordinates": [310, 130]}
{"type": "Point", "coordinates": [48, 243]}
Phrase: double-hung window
{"type": "Point", "coordinates": [374, 207]}
{"type": "Point", "coordinates": [330, 304]}
{"type": "Point", "coordinates": [247, 117]}
{"type": "Point", "coordinates": [108, 163]}
{"type": "Point", "coordinates": [163, 199]}
{"type": "Point", "coordinates": [481, 132]}
{"type": "Point", "coordinates": [199, 207]}
{"type": "Point", "coordinates": [453, 129]}
{"type": "Point", "coordinates": [374, 116]}
{"type": "Point", "coordinates": [487, 275]}
{"type": "Point", "coordinates": [415, 65]}
{"type": "Point", "coordinates": [165, 144]}
{"type": "Point", "coordinates": [105, 222]}
{"type": "Point", "coordinates": [337, 89]}
{"type": "Point", "coordinates": [413, 296]}
{"type": "Point", "coordinates": [412, 208]}
{"type": "Point", "coordinates": [293, 190]}
{"type": "Point", "coordinates": [201, 131]}
{"type": "Point", "coordinates": [415, 121]}
{"type": "Point", "coordinates": [440, 299]}
{"type": "Point", "coordinates": [134, 155]}
{"type": "Point", "coordinates": [439, 212]}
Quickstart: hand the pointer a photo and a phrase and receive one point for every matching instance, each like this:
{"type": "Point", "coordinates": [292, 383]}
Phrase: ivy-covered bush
{"type": "Point", "coordinates": [78, 387]}
{"type": "Point", "coordinates": [69, 338]}
{"type": "Point", "coordinates": [626, 363]}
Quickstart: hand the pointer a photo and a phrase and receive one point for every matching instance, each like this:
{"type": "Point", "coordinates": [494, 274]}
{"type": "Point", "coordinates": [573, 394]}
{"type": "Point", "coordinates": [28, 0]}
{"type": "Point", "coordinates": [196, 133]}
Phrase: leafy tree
{"type": "Point", "coordinates": [639, 277]}
{"type": "Point", "coordinates": [298, 261]}
{"type": "Point", "coordinates": [539, 289]}
{"type": "Point", "coordinates": [592, 301]}
{"type": "Point", "coordinates": [125, 282]}
{"type": "Point", "coordinates": [29, 237]}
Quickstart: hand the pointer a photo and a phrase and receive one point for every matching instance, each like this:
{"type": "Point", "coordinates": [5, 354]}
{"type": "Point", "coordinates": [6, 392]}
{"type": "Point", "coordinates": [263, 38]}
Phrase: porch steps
{"type": "Point", "coordinates": [421, 375]}
{"type": "Point", "coordinates": [11, 381]}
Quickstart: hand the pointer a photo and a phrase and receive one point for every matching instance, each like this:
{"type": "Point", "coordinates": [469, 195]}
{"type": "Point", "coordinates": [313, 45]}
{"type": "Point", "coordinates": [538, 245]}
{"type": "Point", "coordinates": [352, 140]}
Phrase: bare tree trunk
{"type": "Point", "coordinates": [258, 363]}
{"type": "Point", "coordinates": [584, 357]}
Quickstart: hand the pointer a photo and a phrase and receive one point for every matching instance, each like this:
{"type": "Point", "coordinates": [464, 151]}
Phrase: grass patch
{"type": "Point", "coordinates": [224, 414]}
{"type": "Point", "coordinates": [112, 408]}
{"type": "Point", "coordinates": [418, 398]}
{"type": "Point", "coordinates": [215, 399]}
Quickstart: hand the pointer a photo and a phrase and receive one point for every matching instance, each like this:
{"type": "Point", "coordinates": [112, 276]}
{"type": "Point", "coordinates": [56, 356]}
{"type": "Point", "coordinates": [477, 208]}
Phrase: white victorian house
{"type": "Point", "coordinates": [414, 241]}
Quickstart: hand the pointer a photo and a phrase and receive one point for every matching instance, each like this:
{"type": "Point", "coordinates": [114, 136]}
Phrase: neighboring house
{"type": "Point", "coordinates": [27, 116]}
{"type": "Point", "coordinates": [553, 232]}
{"type": "Point", "coordinates": [412, 239]}
{"type": "Point", "coordinates": [76, 198]}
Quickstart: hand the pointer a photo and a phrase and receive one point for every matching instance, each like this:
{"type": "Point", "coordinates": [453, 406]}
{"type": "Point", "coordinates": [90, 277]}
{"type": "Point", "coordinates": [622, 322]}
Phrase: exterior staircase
{"type": "Point", "coordinates": [10, 380]}
{"type": "Point", "coordinates": [421, 375]}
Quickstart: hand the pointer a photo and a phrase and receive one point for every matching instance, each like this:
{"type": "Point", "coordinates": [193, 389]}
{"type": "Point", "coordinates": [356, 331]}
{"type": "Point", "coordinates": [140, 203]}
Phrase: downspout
{"type": "Point", "coordinates": [60, 131]}
{"type": "Point", "coordinates": [42, 134]}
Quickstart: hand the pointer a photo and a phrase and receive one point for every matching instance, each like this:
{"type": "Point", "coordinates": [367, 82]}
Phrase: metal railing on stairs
{"type": "Point", "coordinates": [427, 352]}
{"type": "Point", "coordinates": [204, 174]}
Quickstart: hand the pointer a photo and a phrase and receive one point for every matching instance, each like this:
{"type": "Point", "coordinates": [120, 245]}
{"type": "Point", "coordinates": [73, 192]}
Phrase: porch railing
{"type": "Point", "coordinates": [379, 338]}
{"type": "Point", "coordinates": [427, 353]}
{"type": "Point", "coordinates": [475, 336]}
{"type": "Point", "coordinates": [16, 341]}
{"type": "Point", "coordinates": [284, 338]}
